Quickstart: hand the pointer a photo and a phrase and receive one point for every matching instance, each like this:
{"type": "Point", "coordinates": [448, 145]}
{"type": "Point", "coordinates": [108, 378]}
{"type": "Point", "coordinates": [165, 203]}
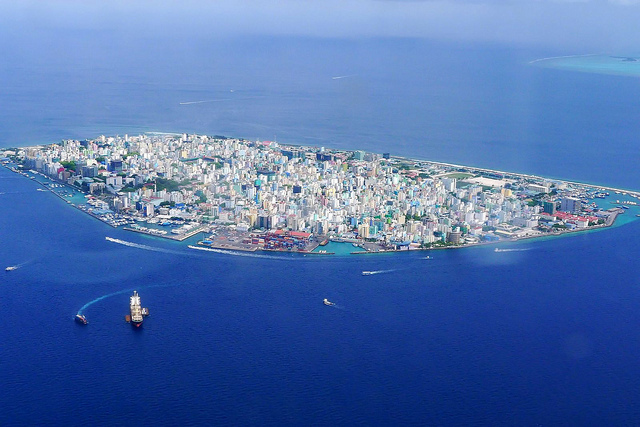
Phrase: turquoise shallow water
{"type": "Point", "coordinates": [598, 63]}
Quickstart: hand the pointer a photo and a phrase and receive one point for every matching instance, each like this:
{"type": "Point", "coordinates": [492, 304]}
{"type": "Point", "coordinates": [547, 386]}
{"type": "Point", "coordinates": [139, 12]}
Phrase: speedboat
{"type": "Point", "coordinates": [11, 268]}
{"type": "Point", "coordinates": [367, 273]}
{"type": "Point", "coordinates": [80, 318]}
{"type": "Point", "coordinates": [327, 302]}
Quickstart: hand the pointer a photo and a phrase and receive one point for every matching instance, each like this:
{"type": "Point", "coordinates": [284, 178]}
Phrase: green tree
{"type": "Point", "coordinates": [71, 165]}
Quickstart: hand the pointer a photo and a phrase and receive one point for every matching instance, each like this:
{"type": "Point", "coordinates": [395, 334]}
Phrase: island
{"type": "Point", "coordinates": [243, 195]}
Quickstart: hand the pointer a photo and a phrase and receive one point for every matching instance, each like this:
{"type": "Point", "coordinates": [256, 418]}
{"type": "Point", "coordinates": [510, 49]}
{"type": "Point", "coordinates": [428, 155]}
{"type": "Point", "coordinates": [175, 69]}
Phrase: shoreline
{"type": "Point", "coordinates": [634, 193]}
{"type": "Point", "coordinates": [610, 218]}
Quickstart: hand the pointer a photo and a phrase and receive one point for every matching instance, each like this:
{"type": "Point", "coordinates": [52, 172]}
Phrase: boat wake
{"type": "Point", "coordinates": [202, 102]}
{"type": "Point", "coordinates": [84, 307]}
{"type": "Point", "coordinates": [511, 250]}
{"type": "Point", "coordinates": [563, 57]}
{"type": "Point", "coordinates": [343, 77]}
{"type": "Point", "coordinates": [206, 101]}
{"type": "Point", "coordinates": [236, 253]}
{"type": "Point", "coordinates": [17, 266]}
{"type": "Point", "coordinates": [370, 273]}
{"type": "Point", "coordinates": [126, 291]}
{"type": "Point", "coordinates": [12, 192]}
{"type": "Point", "coordinates": [141, 246]}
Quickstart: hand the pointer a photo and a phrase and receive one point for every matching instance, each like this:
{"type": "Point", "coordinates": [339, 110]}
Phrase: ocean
{"type": "Point", "coordinates": [543, 333]}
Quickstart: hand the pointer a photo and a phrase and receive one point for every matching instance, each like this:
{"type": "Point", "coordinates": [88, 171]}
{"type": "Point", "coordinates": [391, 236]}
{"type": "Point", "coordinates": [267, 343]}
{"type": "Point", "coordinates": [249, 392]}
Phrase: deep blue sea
{"type": "Point", "coordinates": [545, 333]}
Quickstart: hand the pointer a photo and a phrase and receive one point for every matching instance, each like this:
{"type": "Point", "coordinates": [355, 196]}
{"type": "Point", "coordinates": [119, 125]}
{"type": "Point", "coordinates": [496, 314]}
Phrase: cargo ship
{"type": "Point", "coordinates": [137, 312]}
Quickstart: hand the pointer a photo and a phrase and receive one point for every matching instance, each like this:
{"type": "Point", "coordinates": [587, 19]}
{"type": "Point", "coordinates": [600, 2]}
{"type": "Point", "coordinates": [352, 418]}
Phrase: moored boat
{"type": "Point", "coordinates": [137, 312]}
{"type": "Point", "coordinates": [135, 308]}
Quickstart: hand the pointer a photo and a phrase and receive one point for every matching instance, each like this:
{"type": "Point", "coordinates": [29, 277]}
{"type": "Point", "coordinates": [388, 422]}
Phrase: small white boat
{"type": "Point", "coordinates": [11, 268]}
{"type": "Point", "coordinates": [327, 302]}
{"type": "Point", "coordinates": [367, 273]}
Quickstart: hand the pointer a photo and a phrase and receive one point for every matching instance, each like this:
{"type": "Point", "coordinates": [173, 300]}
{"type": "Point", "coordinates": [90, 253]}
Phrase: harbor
{"type": "Point", "coordinates": [409, 204]}
{"type": "Point", "coordinates": [155, 232]}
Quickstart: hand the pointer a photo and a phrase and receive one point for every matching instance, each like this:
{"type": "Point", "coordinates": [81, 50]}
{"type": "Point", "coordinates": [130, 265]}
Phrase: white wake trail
{"type": "Point", "coordinates": [141, 246]}
{"type": "Point", "coordinates": [236, 253]}
{"type": "Point", "coordinates": [370, 273]}
{"type": "Point", "coordinates": [562, 57]}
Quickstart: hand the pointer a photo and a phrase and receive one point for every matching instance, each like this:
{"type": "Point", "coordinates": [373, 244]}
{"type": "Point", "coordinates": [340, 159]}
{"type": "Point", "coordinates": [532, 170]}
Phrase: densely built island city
{"type": "Point", "coordinates": [261, 195]}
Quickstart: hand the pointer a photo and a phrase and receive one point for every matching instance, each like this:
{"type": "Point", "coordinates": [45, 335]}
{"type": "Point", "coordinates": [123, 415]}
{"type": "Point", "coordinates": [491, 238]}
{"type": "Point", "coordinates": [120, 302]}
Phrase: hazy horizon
{"type": "Point", "coordinates": [569, 25]}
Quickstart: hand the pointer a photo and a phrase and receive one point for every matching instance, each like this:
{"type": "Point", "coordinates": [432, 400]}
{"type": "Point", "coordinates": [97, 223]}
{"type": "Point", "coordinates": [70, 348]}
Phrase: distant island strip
{"type": "Point", "coordinates": [246, 195]}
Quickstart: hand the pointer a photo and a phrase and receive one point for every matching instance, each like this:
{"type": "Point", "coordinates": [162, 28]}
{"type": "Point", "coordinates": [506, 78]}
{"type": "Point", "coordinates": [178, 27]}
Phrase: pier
{"type": "Point", "coordinates": [176, 237]}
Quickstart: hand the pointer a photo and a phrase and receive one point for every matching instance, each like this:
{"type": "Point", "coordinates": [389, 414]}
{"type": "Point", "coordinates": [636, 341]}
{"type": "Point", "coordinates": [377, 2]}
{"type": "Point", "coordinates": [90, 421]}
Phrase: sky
{"type": "Point", "coordinates": [576, 25]}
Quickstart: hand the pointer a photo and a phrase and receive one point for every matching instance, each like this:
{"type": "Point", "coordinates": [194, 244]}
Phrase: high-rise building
{"type": "Point", "coordinates": [549, 207]}
{"type": "Point", "coordinates": [115, 166]}
{"type": "Point", "coordinates": [454, 236]}
{"type": "Point", "coordinates": [363, 230]}
{"type": "Point", "coordinates": [570, 204]}
{"type": "Point", "coordinates": [89, 171]}
{"type": "Point", "coordinates": [449, 184]}
{"type": "Point", "coordinates": [149, 209]}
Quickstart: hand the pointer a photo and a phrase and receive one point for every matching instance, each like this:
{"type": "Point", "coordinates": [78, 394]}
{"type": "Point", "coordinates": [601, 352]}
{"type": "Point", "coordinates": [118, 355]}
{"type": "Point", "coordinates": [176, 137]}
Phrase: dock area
{"type": "Point", "coordinates": [176, 237]}
{"type": "Point", "coordinates": [229, 246]}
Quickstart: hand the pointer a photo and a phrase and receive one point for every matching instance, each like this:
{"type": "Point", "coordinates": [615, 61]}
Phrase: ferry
{"type": "Point", "coordinates": [327, 302]}
{"type": "Point", "coordinates": [80, 318]}
{"type": "Point", "coordinates": [11, 268]}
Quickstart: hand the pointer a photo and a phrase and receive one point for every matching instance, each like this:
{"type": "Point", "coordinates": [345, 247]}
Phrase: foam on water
{"type": "Point", "coordinates": [238, 253]}
{"type": "Point", "coordinates": [144, 247]}
{"type": "Point", "coordinates": [562, 57]}
{"type": "Point", "coordinates": [369, 273]}
{"type": "Point", "coordinates": [90, 303]}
